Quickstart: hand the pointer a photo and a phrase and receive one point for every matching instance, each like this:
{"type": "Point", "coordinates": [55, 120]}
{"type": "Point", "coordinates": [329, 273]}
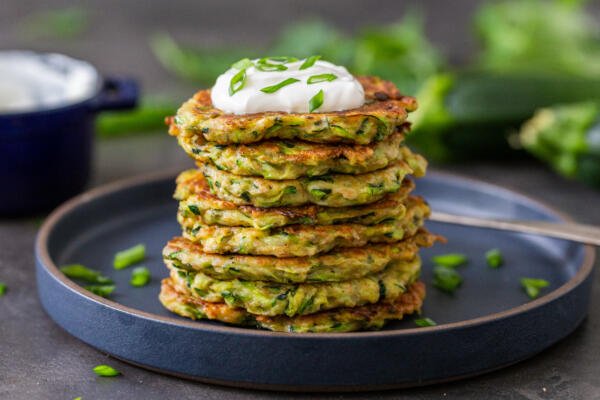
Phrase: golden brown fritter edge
{"type": "Point", "coordinates": [372, 316]}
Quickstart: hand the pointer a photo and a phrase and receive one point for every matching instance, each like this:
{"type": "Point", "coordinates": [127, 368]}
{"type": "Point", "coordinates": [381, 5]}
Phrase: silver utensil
{"type": "Point", "coordinates": [570, 231]}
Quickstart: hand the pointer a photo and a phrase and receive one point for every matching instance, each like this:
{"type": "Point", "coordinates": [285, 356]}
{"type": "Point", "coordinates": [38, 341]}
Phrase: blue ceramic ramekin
{"type": "Point", "coordinates": [45, 154]}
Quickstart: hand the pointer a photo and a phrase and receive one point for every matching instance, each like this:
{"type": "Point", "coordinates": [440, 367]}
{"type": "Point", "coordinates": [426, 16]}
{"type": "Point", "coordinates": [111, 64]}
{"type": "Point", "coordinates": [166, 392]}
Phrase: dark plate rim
{"type": "Point", "coordinates": [42, 253]}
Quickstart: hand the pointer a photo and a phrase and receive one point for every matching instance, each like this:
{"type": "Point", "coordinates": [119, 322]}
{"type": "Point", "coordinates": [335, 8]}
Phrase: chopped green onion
{"type": "Point", "coordinates": [127, 257]}
{"type": "Point", "coordinates": [321, 78]}
{"type": "Point", "coordinates": [78, 271]}
{"type": "Point", "coordinates": [265, 67]}
{"type": "Point", "coordinates": [533, 286]}
{"type": "Point", "coordinates": [451, 260]}
{"type": "Point", "coordinates": [446, 278]}
{"type": "Point", "coordinates": [105, 370]}
{"type": "Point", "coordinates": [494, 258]}
{"type": "Point", "coordinates": [242, 64]}
{"type": "Point", "coordinates": [425, 322]}
{"type": "Point", "coordinates": [309, 62]}
{"type": "Point", "coordinates": [277, 59]}
{"type": "Point", "coordinates": [101, 290]}
{"type": "Point", "coordinates": [316, 101]}
{"type": "Point", "coordinates": [237, 82]}
{"type": "Point", "coordinates": [140, 276]}
{"type": "Point", "coordinates": [274, 88]}
{"type": "Point", "coordinates": [2, 288]}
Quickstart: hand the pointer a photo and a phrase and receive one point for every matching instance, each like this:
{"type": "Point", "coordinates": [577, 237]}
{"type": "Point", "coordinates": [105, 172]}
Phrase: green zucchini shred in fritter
{"type": "Point", "coordinates": [367, 317]}
{"type": "Point", "coordinates": [330, 190]}
{"type": "Point", "coordinates": [305, 240]}
{"type": "Point", "coordinates": [268, 298]}
{"type": "Point", "coordinates": [338, 265]}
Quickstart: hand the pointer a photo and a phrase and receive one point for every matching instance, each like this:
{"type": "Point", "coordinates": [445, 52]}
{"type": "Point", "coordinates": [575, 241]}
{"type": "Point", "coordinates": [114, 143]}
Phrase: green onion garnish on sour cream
{"type": "Point", "coordinates": [286, 84]}
{"type": "Point", "coordinates": [237, 82]}
{"type": "Point", "coordinates": [316, 101]}
{"type": "Point", "coordinates": [309, 62]}
{"type": "Point", "coordinates": [321, 78]}
{"type": "Point", "coordinates": [274, 88]}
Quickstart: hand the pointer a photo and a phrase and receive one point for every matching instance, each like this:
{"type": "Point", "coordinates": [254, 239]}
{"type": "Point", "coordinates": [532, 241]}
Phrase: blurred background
{"type": "Point", "coordinates": [502, 81]}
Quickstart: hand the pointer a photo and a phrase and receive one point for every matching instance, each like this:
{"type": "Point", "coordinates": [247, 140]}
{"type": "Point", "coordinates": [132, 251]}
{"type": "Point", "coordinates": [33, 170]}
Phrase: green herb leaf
{"type": "Point", "coordinates": [265, 67]}
{"type": "Point", "coordinates": [309, 62]}
{"type": "Point", "coordinates": [321, 78]}
{"type": "Point", "coordinates": [425, 322]}
{"type": "Point", "coordinates": [140, 276]}
{"type": "Point", "coordinates": [274, 88]}
{"type": "Point", "coordinates": [242, 64]}
{"type": "Point", "coordinates": [494, 258]}
{"type": "Point", "coordinates": [81, 272]}
{"type": "Point", "coordinates": [105, 370]}
{"type": "Point", "coordinates": [316, 101]}
{"type": "Point", "coordinates": [238, 82]}
{"type": "Point", "coordinates": [127, 257]}
{"type": "Point", "coordinates": [533, 286]}
{"type": "Point", "coordinates": [451, 260]}
{"type": "Point", "coordinates": [101, 290]}
{"type": "Point", "coordinates": [2, 288]}
{"type": "Point", "coordinates": [446, 278]}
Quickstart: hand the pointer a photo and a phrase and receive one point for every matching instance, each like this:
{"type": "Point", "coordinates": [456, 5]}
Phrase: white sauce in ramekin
{"type": "Point", "coordinates": [32, 81]}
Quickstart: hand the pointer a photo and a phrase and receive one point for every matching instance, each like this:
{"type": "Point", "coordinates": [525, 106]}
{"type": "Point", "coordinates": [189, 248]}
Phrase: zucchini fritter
{"type": "Point", "coordinates": [335, 190]}
{"type": "Point", "coordinates": [335, 266]}
{"type": "Point", "coordinates": [198, 205]}
{"type": "Point", "coordinates": [385, 109]}
{"type": "Point", "coordinates": [285, 159]}
{"type": "Point", "coordinates": [269, 298]}
{"type": "Point", "coordinates": [371, 316]}
{"type": "Point", "coordinates": [306, 240]}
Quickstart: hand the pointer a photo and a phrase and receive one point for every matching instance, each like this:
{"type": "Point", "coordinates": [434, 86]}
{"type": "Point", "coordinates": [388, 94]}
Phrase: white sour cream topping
{"type": "Point", "coordinates": [34, 81]}
{"type": "Point", "coordinates": [343, 93]}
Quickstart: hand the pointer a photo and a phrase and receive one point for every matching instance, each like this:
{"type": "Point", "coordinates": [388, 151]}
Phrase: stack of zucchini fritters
{"type": "Point", "coordinates": [298, 222]}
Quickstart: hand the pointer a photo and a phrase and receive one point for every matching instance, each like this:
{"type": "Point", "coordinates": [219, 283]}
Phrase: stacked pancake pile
{"type": "Point", "coordinates": [298, 222]}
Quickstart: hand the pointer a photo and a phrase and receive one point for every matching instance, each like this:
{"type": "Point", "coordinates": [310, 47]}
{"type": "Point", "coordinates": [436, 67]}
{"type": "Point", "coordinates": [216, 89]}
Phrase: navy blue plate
{"type": "Point", "coordinates": [488, 324]}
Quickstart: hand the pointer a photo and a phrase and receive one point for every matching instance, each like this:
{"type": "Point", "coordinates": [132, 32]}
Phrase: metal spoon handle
{"type": "Point", "coordinates": [570, 231]}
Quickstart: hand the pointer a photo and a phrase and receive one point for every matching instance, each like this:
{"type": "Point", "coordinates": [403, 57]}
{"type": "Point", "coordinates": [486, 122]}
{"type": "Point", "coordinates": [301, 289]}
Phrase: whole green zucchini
{"type": "Point", "coordinates": [471, 115]}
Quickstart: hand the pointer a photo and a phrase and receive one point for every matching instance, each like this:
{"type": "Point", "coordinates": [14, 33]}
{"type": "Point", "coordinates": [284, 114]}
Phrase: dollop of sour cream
{"type": "Point", "coordinates": [340, 90]}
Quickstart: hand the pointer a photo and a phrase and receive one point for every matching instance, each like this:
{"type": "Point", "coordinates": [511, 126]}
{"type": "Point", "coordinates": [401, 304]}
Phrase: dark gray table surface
{"type": "Point", "coordinates": [40, 361]}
